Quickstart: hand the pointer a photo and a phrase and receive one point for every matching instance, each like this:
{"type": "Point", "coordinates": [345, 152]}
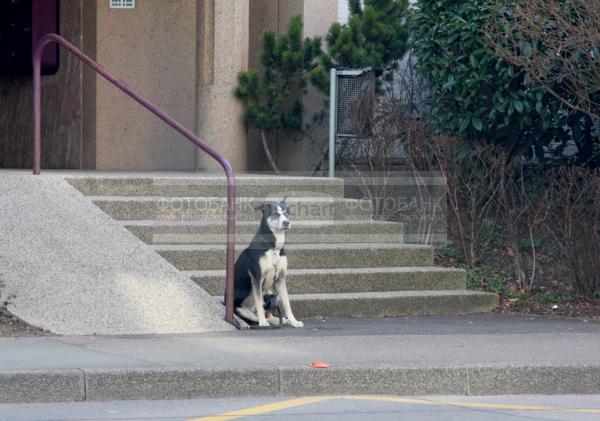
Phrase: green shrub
{"type": "Point", "coordinates": [556, 297]}
{"type": "Point", "coordinates": [485, 277]}
{"type": "Point", "coordinates": [488, 279]}
{"type": "Point", "coordinates": [555, 42]}
{"type": "Point", "coordinates": [452, 253]}
{"type": "Point", "coordinates": [474, 92]}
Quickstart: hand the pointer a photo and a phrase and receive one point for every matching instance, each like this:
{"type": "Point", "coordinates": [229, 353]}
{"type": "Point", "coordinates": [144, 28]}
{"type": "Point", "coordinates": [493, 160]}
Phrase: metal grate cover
{"type": "Point", "coordinates": [352, 87]}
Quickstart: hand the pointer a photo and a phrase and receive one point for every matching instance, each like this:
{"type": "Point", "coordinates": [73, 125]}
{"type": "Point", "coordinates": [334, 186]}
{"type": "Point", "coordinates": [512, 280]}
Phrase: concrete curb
{"type": "Point", "coordinates": [42, 386]}
{"type": "Point", "coordinates": [190, 382]}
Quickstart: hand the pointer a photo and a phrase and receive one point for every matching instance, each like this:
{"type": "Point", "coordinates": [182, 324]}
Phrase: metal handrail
{"type": "Point", "coordinates": [37, 143]}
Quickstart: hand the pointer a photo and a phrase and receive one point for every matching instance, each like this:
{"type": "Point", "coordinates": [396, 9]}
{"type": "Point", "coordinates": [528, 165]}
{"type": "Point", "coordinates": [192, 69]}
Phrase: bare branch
{"type": "Point", "coordinates": [557, 42]}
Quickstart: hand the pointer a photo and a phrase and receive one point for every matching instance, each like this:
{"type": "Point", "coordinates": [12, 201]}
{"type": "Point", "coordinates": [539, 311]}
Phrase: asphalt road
{"type": "Point", "coordinates": [321, 408]}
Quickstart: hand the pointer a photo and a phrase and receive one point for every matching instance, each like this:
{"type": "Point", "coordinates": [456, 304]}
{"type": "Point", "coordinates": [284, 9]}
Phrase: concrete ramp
{"type": "Point", "coordinates": [70, 268]}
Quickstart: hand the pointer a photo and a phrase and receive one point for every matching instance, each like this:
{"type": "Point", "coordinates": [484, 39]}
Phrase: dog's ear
{"type": "Point", "coordinates": [285, 198]}
{"type": "Point", "coordinates": [264, 207]}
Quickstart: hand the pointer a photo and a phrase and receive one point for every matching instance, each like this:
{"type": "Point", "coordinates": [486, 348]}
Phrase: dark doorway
{"type": "Point", "coordinates": [61, 106]}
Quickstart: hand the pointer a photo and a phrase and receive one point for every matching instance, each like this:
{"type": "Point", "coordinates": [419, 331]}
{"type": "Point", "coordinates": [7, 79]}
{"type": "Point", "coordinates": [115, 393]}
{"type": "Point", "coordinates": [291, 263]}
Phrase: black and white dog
{"type": "Point", "coordinates": [261, 269]}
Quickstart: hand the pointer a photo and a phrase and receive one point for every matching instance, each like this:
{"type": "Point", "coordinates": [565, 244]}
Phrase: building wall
{"type": "Point", "coordinates": [153, 49]}
{"type": "Point", "coordinates": [184, 56]}
{"type": "Point", "coordinates": [343, 11]}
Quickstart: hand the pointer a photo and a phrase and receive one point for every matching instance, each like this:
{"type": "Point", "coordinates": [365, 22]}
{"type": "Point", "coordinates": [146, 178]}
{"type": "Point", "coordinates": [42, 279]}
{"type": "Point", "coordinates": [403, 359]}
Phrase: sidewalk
{"type": "Point", "coordinates": [478, 355]}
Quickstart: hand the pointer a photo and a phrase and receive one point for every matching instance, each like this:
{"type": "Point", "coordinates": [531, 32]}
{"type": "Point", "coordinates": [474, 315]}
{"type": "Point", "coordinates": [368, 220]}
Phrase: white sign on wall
{"type": "Point", "coordinates": [122, 4]}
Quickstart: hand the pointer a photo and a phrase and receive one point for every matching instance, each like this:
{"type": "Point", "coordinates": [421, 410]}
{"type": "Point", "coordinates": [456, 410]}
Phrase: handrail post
{"type": "Point", "coordinates": [229, 172]}
{"type": "Point", "coordinates": [332, 120]}
{"type": "Point", "coordinates": [230, 252]}
{"type": "Point", "coordinates": [37, 108]}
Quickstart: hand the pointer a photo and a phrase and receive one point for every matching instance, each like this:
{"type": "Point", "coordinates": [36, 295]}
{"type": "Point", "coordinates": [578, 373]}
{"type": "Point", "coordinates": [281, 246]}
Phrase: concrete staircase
{"type": "Point", "coordinates": [343, 263]}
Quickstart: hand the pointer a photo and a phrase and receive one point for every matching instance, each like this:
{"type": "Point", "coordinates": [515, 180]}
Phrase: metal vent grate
{"type": "Point", "coordinates": [349, 91]}
{"type": "Point", "coordinates": [122, 4]}
{"type": "Point", "coordinates": [352, 88]}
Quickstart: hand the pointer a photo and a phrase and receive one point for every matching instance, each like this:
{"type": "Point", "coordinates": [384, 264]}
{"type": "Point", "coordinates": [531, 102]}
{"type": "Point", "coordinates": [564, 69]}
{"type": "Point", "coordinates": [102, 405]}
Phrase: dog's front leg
{"type": "Point", "coordinates": [281, 287]}
{"type": "Point", "coordinates": [258, 301]}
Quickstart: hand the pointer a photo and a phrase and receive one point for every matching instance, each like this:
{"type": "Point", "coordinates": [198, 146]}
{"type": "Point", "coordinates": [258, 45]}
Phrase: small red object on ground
{"type": "Point", "coordinates": [319, 364]}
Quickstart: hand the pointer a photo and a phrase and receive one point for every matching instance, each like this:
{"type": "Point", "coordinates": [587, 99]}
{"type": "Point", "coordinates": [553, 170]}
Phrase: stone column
{"type": "Point", "coordinates": [223, 30]}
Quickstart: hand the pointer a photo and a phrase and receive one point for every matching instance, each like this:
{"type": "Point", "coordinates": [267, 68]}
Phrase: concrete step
{"type": "Point", "coordinates": [208, 186]}
{"type": "Point", "coordinates": [214, 208]}
{"type": "Point", "coordinates": [306, 256]}
{"type": "Point", "coordinates": [391, 303]}
{"type": "Point", "coordinates": [202, 232]}
{"type": "Point", "coordinates": [330, 281]}
{"type": "Point", "coordinates": [343, 263]}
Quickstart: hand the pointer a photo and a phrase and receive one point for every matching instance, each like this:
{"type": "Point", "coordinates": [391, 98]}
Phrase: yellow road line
{"type": "Point", "coordinates": [521, 407]}
{"type": "Point", "coordinates": [291, 403]}
{"type": "Point", "coordinates": [395, 399]}
{"type": "Point", "coordinates": [474, 404]}
{"type": "Point", "coordinates": [263, 409]}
